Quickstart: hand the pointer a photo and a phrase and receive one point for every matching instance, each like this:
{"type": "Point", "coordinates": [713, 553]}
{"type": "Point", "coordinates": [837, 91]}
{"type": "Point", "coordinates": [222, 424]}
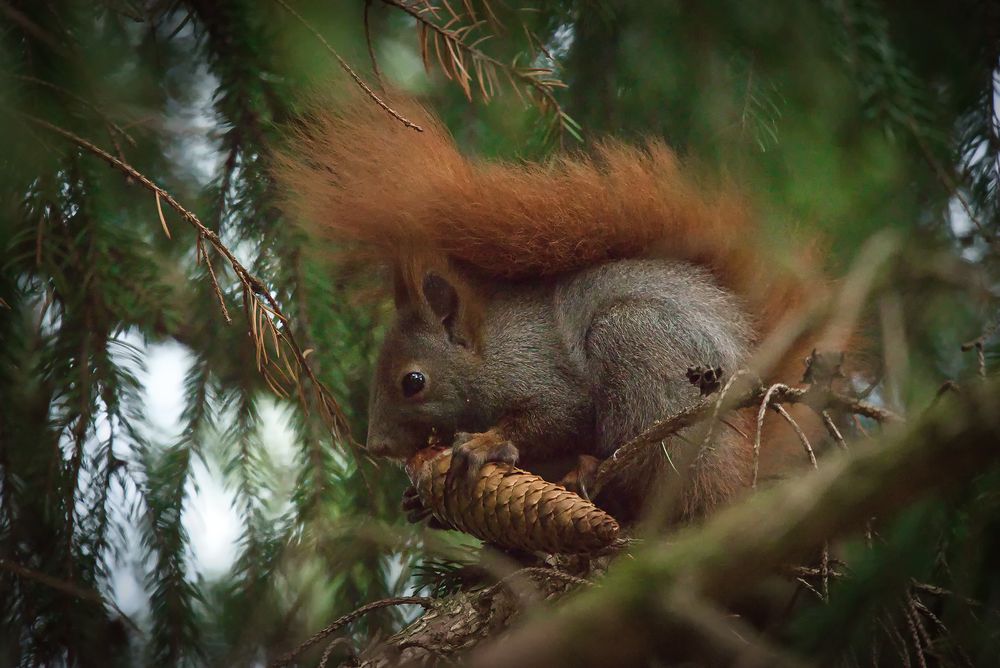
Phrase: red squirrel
{"type": "Point", "coordinates": [545, 313]}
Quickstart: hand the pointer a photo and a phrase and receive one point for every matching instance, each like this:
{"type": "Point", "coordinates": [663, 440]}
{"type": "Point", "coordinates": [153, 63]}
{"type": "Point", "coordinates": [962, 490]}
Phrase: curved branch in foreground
{"type": "Point", "coordinates": [347, 619]}
{"type": "Point", "coordinates": [625, 618]}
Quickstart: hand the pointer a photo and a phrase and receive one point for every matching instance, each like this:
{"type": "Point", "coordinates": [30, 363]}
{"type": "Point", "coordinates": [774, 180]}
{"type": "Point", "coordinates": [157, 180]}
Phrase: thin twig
{"type": "Point", "coordinates": [330, 647]}
{"type": "Point", "coordinates": [825, 554]}
{"type": "Point", "coordinates": [979, 344]}
{"type": "Point", "coordinates": [371, 47]}
{"type": "Point", "coordinates": [764, 403]}
{"type": "Point", "coordinates": [83, 101]}
{"type": "Point", "coordinates": [911, 625]}
{"type": "Point", "coordinates": [831, 427]}
{"type": "Point", "coordinates": [424, 601]}
{"type": "Point", "coordinates": [553, 573]}
{"type": "Point", "coordinates": [216, 288]}
{"type": "Point", "coordinates": [720, 400]}
{"type": "Point", "coordinates": [163, 219]}
{"type": "Point", "coordinates": [980, 355]}
{"type": "Point", "coordinates": [805, 584]}
{"type": "Point", "coordinates": [798, 432]}
{"type": "Point", "coordinates": [942, 628]}
{"type": "Point", "coordinates": [946, 387]}
{"type": "Point", "coordinates": [949, 183]}
{"type": "Point", "coordinates": [350, 71]}
{"type": "Point", "coordinates": [897, 639]}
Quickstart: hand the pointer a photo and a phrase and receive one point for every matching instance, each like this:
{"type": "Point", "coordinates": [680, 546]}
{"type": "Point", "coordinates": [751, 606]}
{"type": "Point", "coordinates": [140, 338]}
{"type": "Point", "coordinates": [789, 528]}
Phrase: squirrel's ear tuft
{"type": "Point", "coordinates": [441, 296]}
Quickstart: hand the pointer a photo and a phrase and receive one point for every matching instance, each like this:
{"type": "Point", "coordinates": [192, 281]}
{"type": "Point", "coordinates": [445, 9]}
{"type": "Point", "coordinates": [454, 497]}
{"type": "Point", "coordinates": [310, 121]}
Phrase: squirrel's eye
{"type": "Point", "coordinates": [413, 382]}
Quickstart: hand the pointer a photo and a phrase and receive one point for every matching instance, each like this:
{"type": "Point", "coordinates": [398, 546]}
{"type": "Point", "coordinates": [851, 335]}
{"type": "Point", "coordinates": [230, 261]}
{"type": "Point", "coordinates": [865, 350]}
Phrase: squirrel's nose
{"type": "Point", "coordinates": [377, 447]}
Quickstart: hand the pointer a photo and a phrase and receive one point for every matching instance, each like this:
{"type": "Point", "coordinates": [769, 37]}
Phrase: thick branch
{"type": "Point", "coordinates": [746, 542]}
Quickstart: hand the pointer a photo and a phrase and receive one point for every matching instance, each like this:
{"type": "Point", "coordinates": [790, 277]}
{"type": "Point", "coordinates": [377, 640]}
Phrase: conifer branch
{"type": "Point", "coordinates": [264, 308]}
{"type": "Point", "coordinates": [480, 68]}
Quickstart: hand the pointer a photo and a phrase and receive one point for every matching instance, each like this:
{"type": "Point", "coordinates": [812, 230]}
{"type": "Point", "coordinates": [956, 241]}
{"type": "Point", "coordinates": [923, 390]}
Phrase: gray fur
{"type": "Point", "coordinates": [576, 365]}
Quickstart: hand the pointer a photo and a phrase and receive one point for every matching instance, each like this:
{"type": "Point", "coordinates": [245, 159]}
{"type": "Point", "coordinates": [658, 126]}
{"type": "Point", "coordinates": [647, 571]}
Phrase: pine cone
{"type": "Point", "coordinates": [511, 508]}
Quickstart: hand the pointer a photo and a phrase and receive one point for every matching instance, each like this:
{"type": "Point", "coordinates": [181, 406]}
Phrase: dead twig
{"type": "Point", "coordinates": [764, 404]}
{"type": "Point", "coordinates": [82, 101]}
{"type": "Point", "coordinates": [831, 427]}
{"type": "Point", "coordinates": [215, 281]}
{"type": "Point", "coordinates": [717, 409]}
{"type": "Point", "coordinates": [825, 554]}
{"type": "Point", "coordinates": [979, 344]}
{"type": "Point", "coordinates": [798, 432]}
{"type": "Point", "coordinates": [331, 646]}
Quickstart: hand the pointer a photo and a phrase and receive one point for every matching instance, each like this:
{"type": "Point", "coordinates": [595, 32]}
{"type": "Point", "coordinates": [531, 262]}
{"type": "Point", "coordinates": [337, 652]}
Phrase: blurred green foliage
{"type": "Point", "coordinates": [842, 118]}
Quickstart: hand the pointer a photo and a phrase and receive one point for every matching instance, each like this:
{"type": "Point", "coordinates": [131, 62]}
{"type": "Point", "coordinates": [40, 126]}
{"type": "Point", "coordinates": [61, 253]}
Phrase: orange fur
{"type": "Point", "coordinates": [359, 177]}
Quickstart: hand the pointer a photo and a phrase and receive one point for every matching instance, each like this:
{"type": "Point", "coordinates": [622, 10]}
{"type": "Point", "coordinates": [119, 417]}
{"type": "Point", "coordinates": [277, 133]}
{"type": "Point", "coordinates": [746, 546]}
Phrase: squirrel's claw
{"type": "Point", "coordinates": [582, 476]}
{"type": "Point", "coordinates": [471, 451]}
{"type": "Point", "coordinates": [411, 499]}
{"type": "Point", "coordinates": [417, 512]}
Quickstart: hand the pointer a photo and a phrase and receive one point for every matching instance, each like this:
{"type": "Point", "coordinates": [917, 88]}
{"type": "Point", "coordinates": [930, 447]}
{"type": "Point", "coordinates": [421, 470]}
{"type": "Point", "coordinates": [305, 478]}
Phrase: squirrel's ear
{"type": "Point", "coordinates": [442, 298]}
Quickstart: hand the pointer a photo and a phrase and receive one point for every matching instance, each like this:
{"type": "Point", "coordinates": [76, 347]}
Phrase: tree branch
{"type": "Point", "coordinates": [739, 546]}
{"type": "Point", "coordinates": [255, 292]}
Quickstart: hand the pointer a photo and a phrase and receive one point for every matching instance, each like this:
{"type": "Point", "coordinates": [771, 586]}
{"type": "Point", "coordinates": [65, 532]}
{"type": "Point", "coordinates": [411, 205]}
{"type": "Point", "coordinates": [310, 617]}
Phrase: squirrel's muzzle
{"type": "Point", "coordinates": [378, 446]}
{"type": "Point", "coordinates": [384, 443]}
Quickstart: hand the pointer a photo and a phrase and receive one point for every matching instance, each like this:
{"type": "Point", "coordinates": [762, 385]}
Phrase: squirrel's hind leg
{"type": "Point", "coordinates": [642, 350]}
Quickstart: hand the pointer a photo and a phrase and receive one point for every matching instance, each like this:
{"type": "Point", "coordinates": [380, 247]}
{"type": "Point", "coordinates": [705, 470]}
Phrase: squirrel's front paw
{"type": "Point", "coordinates": [417, 512]}
{"type": "Point", "coordinates": [471, 451]}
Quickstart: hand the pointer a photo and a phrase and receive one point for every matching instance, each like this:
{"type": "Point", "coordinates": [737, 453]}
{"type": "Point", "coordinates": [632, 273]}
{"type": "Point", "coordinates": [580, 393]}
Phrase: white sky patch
{"type": "Point", "coordinates": [212, 525]}
{"type": "Point", "coordinates": [166, 366]}
{"type": "Point", "coordinates": [276, 432]}
{"type": "Point", "coordinates": [402, 65]}
{"type": "Point", "coordinates": [562, 41]}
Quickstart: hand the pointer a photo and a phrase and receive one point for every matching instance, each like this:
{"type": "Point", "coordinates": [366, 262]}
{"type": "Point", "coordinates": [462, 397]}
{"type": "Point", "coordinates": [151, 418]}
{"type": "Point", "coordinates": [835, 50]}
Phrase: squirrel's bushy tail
{"type": "Point", "coordinates": [389, 193]}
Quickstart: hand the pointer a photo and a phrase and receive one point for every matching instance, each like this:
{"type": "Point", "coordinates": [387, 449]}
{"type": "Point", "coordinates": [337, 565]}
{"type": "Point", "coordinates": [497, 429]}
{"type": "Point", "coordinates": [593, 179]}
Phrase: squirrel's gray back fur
{"type": "Point", "coordinates": [602, 353]}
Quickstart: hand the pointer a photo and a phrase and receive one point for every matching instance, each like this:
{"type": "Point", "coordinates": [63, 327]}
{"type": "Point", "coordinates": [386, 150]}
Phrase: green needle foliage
{"type": "Point", "coordinates": [843, 117]}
